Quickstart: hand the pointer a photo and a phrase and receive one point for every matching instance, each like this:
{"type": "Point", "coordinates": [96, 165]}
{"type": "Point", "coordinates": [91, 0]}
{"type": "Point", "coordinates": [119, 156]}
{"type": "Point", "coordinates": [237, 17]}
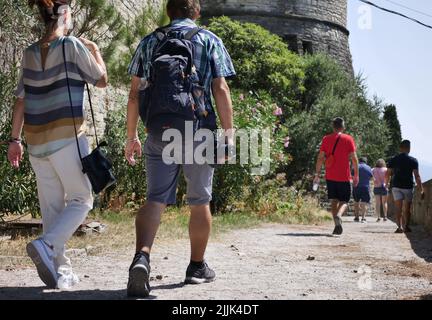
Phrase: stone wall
{"type": "Point", "coordinates": [307, 25]}
{"type": "Point", "coordinates": [422, 209]}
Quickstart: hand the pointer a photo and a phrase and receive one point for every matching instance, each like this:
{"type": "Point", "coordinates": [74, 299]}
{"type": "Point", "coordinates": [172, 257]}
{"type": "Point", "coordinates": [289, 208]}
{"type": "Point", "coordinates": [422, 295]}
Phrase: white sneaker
{"type": "Point", "coordinates": [67, 279]}
{"type": "Point", "coordinates": [43, 258]}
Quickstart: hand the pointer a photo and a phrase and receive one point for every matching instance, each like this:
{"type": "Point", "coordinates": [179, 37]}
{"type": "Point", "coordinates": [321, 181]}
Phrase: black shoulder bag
{"type": "Point", "coordinates": [96, 165]}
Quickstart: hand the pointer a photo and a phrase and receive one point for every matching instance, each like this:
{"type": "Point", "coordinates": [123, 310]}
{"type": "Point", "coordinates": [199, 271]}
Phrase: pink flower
{"type": "Point", "coordinates": [278, 111]}
{"type": "Point", "coordinates": [242, 97]}
{"type": "Point", "coordinates": [254, 110]}
{"type": "Point", "coordinates": [287, 142]}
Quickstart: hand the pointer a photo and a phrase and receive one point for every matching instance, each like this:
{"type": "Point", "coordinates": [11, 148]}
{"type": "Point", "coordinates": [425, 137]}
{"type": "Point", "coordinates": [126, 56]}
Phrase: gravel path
{"type": "Point", "coordinates": [368, 261]}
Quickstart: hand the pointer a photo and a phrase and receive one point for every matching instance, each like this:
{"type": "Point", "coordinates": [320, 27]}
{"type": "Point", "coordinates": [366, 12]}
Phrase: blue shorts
{"type": "Point", "coordinates": [380, 191]}
{"type": "Point", "coordinates": [162, 178]}
{"type": "Point", "coordinates": [361, 194]}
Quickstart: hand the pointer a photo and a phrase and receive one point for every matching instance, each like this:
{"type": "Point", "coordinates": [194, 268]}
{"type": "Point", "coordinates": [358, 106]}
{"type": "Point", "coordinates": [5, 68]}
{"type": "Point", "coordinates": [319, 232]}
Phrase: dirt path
{"type": "Point", "coordinates": [269, 262]}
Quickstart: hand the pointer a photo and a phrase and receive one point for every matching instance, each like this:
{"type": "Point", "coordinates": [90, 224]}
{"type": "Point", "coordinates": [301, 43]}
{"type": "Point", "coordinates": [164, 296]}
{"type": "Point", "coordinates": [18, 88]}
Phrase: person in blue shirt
{"type": "Point", "coordinates": [361, 193]}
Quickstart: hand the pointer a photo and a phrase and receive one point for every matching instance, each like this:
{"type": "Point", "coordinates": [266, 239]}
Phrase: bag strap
{"type": "Point", "coordinates": [70, 97]}
{"type": "Point", "coordinates": [92, 114]}
{"type": "Point", "coordinates": [191, 33]}
{"type": "Point", "coordinates": [336, 143]}
{"type": "Point", "coordinates": [71, 105]}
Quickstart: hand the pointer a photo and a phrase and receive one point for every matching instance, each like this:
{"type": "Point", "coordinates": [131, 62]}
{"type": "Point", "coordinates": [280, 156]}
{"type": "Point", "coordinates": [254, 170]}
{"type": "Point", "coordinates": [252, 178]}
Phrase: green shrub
{"type": "Point", "coordinates": [234, 183]}
{"type": "Point", "coordinates": [330, 93]}
{"type": "Point", "coordinates": [17, 186]}
{"type": "Point", "coordinates": [131, 180]}
{"type": "Point", "coordinates": [262, 60]}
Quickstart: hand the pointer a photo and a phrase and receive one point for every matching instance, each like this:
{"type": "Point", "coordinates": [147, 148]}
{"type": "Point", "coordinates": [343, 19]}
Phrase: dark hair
{"type": "Point", "coordinates": [183, 8]}
{"type": "Point", "coordinates": [48, 9]}
{"type": "Point", "coordinates": [405, 144]}
{"type": "Point", "coordinates": [338, 123]}
{"type": "Point", "coordinates": [363, 160]}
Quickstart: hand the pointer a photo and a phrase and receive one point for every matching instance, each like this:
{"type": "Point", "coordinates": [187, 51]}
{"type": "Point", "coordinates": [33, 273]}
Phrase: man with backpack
{"type": "Point", "coordinates": [337, 149]}
{"type": "Point", "coordinates": [175, 71]}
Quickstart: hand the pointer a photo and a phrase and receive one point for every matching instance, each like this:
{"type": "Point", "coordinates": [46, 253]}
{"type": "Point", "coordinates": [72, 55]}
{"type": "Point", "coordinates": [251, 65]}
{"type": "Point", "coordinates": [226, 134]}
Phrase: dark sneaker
{"type": "Point", "coordinates": [379, 219]}
{"type": "Point", "coordinates": [385, 219]}
{"type": "Point", "coordinates": [196, 275]}
{"type": "Point", "coordinates": [364, 220]}
{"type": "Point", "coordinates": [139, 274]}
{"type": "Point", "coordinates": [407, 229]}
{"type": "Point", "coordinates": [338, 230]}
{"type": "Point", "coordinates": [399, 230]}
{"type": "Point", "coordinates": [356, 219]}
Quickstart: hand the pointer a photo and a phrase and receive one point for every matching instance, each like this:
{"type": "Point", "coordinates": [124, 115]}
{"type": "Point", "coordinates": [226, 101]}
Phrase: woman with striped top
{"type": "Point", "coordinates": [43, 111]}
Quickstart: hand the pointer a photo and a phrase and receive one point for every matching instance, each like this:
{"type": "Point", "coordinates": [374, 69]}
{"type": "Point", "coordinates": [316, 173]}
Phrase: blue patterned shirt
{"type": "Point", "coordinates": [211, 61]}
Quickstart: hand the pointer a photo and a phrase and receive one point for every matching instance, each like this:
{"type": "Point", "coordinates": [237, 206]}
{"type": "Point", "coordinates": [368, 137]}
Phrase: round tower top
{"type": "Point", "coordinates": [330, 11]}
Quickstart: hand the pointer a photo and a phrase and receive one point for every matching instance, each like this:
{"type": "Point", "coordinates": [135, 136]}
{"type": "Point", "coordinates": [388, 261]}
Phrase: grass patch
{"type": "Point", "coordinates": [120, 232]}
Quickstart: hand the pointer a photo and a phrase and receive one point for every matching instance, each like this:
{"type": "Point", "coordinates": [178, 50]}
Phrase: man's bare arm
{"type": "Point", "coordinates": [222, 95]}
{"type": "Point", "coordinates": [133, 144]}
{"type": "Point", "coordinates": [355, 164]}
{"type": "Point", "coordinates": [389, 174]}
{"type": "Point", "coordinates": [319, 163]}
{"type": "Point", "coordinates": [418, 181]}
{"type": "Point", "coordinates": [132, 109]}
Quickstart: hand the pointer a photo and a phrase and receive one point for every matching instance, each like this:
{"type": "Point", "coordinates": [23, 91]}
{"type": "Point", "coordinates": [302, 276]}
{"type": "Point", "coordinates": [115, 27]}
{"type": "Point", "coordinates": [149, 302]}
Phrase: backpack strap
{"type": "Point", "coordinates": [162, 32]}
{"type": "Point", "coordinates": [191, 33]}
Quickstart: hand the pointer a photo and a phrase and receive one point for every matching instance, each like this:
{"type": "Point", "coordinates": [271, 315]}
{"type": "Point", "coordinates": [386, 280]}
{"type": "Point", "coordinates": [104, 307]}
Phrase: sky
{"type": "Point", "coordinates": [395, 57]}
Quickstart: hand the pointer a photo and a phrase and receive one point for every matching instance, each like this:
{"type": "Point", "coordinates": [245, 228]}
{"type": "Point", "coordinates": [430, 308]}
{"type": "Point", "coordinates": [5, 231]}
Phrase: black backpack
{"type": "Point", "coordinates": [173, 94]}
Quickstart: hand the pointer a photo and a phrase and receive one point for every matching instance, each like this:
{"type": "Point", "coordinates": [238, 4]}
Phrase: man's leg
{"type": "Point", "coordinates": [199, 179]}
{"type": "Point", "coordinates": [356, 210]}
{"type": "Point", "coordinates": [161, 191]}
{"type": "Point", "coordinates": [363, 206]}
{"type": "Point", "coordinates": [398, 198]}
{"type": "Point", "coordinates": [341, 209]}
{"type": "Point", "coordinates": [199, 231]}
{"type": "Point", "coordinates": [406, 217]}
{"type": "Point", "coordinates": [334, 207]}
{"type": "Point", "coordinates": [398, 213]}
{"type": "Point", "coordinates": [146, 224]}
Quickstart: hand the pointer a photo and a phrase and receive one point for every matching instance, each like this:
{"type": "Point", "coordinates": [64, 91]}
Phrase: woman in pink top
{"type": "Point", "coordinates": [380, 190]}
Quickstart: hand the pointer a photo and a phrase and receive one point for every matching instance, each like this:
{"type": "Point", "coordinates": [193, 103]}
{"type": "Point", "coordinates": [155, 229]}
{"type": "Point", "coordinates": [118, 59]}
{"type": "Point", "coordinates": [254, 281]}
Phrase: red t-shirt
{"type": "Point", "coordinates": [340, 170]}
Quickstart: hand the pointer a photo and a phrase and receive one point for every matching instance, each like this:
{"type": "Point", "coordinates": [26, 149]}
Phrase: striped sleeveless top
{"type": "Point", "coordinates": [48, 123]}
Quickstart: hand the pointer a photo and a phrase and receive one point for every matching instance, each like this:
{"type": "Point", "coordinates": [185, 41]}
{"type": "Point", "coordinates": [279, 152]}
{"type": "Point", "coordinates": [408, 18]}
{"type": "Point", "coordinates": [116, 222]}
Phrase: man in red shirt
{"type": "Point", "coordinates": [337, 149]}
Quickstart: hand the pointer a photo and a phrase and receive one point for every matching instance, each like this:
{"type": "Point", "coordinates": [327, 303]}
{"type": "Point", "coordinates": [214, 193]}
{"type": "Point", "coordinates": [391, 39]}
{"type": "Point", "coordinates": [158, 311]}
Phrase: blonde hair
{"type": "Point", "coordinates": [380, 163]}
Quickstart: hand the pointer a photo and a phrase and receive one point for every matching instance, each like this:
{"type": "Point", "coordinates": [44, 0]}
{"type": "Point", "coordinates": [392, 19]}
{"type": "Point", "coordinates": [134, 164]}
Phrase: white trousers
{"type": "Point", "coordinates": [65, 196]}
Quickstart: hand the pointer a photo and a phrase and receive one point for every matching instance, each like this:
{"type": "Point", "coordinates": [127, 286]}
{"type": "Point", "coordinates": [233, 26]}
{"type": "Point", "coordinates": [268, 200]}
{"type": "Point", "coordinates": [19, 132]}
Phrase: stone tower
{"type": "Point", "coordinates": [308, 26]}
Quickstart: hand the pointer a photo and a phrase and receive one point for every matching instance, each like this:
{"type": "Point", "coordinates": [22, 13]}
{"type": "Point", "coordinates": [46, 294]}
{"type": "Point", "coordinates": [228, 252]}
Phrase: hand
{"type": "Point", "coordinates": [317, 179]}
{"type": "Point", "coordinates": [356, 180]}
{"type": "Point", "coordinates": [423, 195]}
{"type": "Point", "coordinates": [132, 147]}
{"type": "Point", "coordinates": [15, 153]}
{"type": "Point", "coordinates": [89, 44]}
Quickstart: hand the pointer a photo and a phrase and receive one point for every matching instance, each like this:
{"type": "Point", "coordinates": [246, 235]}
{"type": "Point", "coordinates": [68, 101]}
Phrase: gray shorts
{"type": "Point", "coordinates": [403, 194]}
{"type": "Point", "coordinates": [162, 178]}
